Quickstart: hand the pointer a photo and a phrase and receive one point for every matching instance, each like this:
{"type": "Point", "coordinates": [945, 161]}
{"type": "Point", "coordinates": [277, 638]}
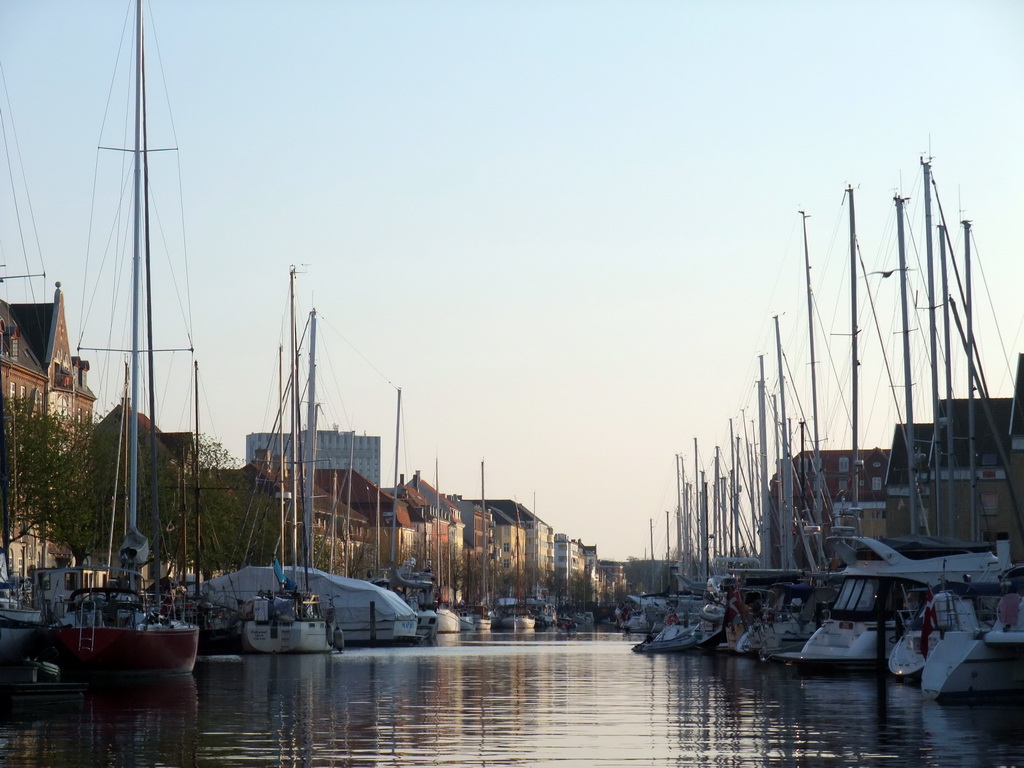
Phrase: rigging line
{"type": "Point", "coordinates": [795, 393]}
{"type": "Point", "coordinates": [949, 242]}
{"type": "Point", "coordinates": [125, 175]}
{"type": "Point", "coordinates": [878, 329]}
{"type": "Point", "coordinates": [24, 181]}
{"type": "Point", "coordinates": [112, 235]}
{"type": "Point", "coordinates": [337, 387]}
{"type": "Point", "coordinates": [976, 259]}
{"type": "Point", "coordinates": [376, 370]}
{"type": "Point", "coordinates": [187, 310]}
{"type": "Point", "coordinates": [185, 314]}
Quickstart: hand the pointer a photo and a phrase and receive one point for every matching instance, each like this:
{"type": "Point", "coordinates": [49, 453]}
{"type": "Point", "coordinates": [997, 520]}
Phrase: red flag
{"type": "Point", "coordinates": [733, 598]}
{"type": "Point", "coordinates": [931, 621]}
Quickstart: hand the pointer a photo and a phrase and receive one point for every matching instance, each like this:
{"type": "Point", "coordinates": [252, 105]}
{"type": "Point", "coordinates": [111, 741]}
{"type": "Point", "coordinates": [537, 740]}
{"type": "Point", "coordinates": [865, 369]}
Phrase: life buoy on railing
{"type": "Point", "coordinates": [672, 619]}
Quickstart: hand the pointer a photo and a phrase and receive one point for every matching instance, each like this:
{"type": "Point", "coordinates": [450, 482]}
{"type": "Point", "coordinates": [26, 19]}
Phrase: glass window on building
{"type": "Point", "coordinates": [989, 503]}
{"type": "Point", "coordinates": [876, 483]}
{"type": "Point", "coordinates": [844, 463]}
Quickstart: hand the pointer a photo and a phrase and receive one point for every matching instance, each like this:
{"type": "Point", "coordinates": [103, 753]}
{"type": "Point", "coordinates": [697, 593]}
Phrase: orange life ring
{"type": "Point", "coordinates": [672, 619]}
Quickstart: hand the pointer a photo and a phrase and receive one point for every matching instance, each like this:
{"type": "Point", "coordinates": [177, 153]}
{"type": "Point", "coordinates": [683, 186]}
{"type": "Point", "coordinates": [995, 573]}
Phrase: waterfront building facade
{"type": "Point", "coordinates": [36, 365]}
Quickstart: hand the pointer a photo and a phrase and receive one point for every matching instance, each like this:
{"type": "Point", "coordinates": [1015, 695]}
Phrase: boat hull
{"type": "Point", "coordinates": [965, 665]}
{"type": "Point", "coordinates": [448, 622]}
{"type": "Point", "coordinates": [842, 645]}
{"type": "Point", "coordinates": [285, 637]}
{"type": "Point", "coordinates": [151, 650]}
{"type": "Point", "coordinates": [21, 634]}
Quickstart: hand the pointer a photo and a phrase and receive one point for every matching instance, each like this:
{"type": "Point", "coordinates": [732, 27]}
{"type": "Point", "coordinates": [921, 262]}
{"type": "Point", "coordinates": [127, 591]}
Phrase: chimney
{"type": "Point", "coordinates": [416, 480]}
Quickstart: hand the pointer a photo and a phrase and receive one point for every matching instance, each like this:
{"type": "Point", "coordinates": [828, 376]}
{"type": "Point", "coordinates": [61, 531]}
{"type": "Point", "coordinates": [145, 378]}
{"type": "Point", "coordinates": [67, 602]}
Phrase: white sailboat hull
{"type": "Point", "coordinates": [448, 622]}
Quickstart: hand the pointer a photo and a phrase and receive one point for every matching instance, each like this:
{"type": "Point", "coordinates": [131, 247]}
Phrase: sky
{"type": "Point", "coordinates": [562, 229]}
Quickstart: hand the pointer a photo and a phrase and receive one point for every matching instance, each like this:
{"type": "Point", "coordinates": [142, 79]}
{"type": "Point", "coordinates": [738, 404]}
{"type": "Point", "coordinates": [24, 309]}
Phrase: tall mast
{"type": "Point", "coordinates": [281, 493]}
{"type": "Point", "coordinates": [907, 374]}
{"type": "Point", "coordinates": [348, 503]}
{"type": "Point", "coordinates": [950, 487]}
{"type": "Point", "coordinates": [485, 527]}
{"type": "Point", "coordinates": [310, 463]}
{"type": "Point", "coordinates": [701, 512]}
{"type": "Point", "coordinates": [786, 507]}
{"type": "Point", "coordinates": [394, 500]}
{"type": "Point", "coordinates": [972, 373]}
{"type": "Point", "coordinates": [679, 512]}
{"type": "Point", "coordinates": [933, 336]}
{"type": "Point", "coordinates": [816, 453]}
{"type": "Point", "coordinates": [295, 423]}
{"type": "Point", "coordinates": [137, 247]}
{"type": "Point", "coordinates": [854, 366]}
{"type": "Point", "coordinates": [766, 503]}
{"type": "Point", "coordinates": [195, 473]}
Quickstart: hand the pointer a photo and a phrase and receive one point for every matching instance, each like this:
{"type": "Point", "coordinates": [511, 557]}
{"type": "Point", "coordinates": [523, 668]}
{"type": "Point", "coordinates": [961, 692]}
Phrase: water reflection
{"type": "Point", "coordinates": [509, 700]}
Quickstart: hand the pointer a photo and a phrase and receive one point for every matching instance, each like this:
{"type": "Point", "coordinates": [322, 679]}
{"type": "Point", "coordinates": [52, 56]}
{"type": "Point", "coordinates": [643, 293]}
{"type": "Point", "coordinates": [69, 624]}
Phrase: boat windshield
{"type": "Point", "coordinates": [857, 595]}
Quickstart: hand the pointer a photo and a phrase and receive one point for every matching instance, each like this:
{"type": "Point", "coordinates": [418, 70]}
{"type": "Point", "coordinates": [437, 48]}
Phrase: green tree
{"type": "Point", "coordinates": [57, 487]}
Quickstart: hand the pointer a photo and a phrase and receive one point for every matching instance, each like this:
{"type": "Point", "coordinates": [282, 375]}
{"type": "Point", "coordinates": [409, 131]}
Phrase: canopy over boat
{"type": "Point", "coordinates": [349, 598]}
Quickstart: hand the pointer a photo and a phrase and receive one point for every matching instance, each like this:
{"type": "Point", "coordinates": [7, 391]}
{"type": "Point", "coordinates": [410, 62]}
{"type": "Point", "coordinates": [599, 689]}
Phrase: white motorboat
{"type": "Point", "coordinates": [785, 620]}
{"type": "Point", "coordinates": [973, 661]}
{"type": "Point", "coordinates": [878, 577]}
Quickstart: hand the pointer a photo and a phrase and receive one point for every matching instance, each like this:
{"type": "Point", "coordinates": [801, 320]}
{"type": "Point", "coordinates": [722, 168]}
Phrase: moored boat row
{"type": "Point", "coordinates": [941, 611]}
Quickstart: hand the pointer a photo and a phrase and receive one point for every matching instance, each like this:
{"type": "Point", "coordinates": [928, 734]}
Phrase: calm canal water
{"type": "Point", "coordinates": [527, 700]}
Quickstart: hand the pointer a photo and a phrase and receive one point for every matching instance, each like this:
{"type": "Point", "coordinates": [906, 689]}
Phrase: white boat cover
{"type": "Point", "coordinates": [348, 600]}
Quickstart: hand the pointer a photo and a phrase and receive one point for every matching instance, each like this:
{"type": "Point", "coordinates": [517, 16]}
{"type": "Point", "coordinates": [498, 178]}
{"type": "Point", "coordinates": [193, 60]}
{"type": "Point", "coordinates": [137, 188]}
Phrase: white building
{"type": "Point", "coordinates": [334, 450]}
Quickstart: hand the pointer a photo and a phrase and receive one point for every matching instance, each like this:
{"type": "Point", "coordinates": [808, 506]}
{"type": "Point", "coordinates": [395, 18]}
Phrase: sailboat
{"type": "Point", "coordinates": [290, 620]}
{"type": "Point", "coordinates": [105, 621]}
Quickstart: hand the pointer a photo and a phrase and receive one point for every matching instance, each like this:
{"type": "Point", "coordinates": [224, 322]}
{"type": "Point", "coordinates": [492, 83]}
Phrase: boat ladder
{"type": "Point", "coordinates": [87, 627]}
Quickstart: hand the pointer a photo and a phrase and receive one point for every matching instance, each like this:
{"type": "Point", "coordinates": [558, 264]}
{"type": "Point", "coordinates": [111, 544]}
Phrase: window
{"type": "Point", "coordinates": [876, 483]}
{"type": "Point", "coordinates": [844, 463]}
{"type": "Point", "coordinates": [842, 485]}
{"type": "Point", "coordinates": [506, 547]}
{"type": "Point", "coordinates": [989, 503]}
{"type": "Point", "coordinates": [856, 595]}
{"type": "Point", "coordinates": [23, 391]}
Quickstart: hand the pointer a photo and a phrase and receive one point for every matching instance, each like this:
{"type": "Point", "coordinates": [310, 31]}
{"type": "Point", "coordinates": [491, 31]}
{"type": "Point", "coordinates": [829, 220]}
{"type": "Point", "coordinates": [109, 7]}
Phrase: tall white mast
{"type": "Point", "coordinates": [950, 486]}
{"type": "Point", "coordinates": [855, 464]}
{"type": "Point", "coordinates": [295, 421]}
{"type": "Point", "coordinates": [137, 248]}
{"type": "Point", "coordinates": [972, 373]}
{"type": "Point", "coordinates": [766, 503]}
{"type": "Point", "coordinates": [786, 507]}
{"type": "Point", "coordinates": [485, 531]}
{"type": "Point", "coordinates": [394, 501]}
{"type": "Point", "coordinates": [933, 337]}
{"type": "Point", "coordinates": [310, 462]}
{"type": "Point", "coordinates": [816, 453]}
{"type": "Point", "coordinates": [907, 373]}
